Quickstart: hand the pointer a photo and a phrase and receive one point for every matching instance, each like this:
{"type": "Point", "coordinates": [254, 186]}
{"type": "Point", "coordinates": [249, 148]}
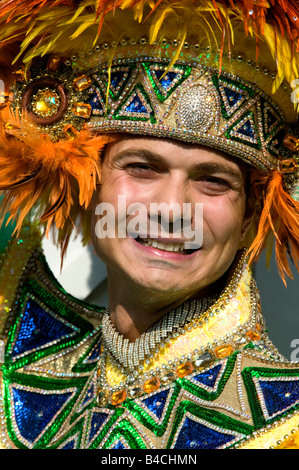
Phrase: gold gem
{"type": "Point", "coordinates": [291, 142]}
{"type": "Point", "coordinates": [253, 335]}
{"type": "Point", "coordinates": [70, 132]}
{"type": "Point", "coordinates": [82, 110]}
{"type": "Point", "coordinates": [184, 369]}
{"type": "Point", "coordinates": [151, 385]}
{"type": "Point", "coordinates": [224, 351]}
{"type": "Point", "coordinates": [288, 166]}
{"type": "Point", "coordinates": [45, 103]}
{"type": "Point", "coordinates": [118, 397]}
{"type": "Point", "coordinates": [81, 83]}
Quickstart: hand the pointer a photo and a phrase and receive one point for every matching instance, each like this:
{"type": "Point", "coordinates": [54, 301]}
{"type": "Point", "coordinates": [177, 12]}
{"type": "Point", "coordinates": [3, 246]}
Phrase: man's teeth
{"type": "Point", "coordinates": [163, 246]}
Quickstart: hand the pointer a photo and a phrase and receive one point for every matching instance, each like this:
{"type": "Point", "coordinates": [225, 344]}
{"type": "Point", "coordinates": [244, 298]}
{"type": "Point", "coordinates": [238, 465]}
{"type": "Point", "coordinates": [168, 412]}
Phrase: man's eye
{"type": "Point", "coordinates": [139, 168]}
{"type": "Point", "coordinates": [214, 183]}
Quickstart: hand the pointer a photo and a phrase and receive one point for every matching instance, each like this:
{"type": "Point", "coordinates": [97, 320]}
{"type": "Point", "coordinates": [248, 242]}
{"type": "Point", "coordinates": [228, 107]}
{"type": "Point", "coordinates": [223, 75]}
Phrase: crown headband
{"type": "Point", "coordinates": [185, 102]}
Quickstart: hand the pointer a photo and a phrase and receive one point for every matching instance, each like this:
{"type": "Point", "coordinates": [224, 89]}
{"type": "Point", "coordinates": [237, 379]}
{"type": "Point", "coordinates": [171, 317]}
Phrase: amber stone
{"type": "Point", "coordinates": [70, 132]}
{"type": "Point", "coordinates": [184, 369]}
{"type": "Point", "coordinates": [81, 83]}
{"type": "Point", "coordinates": [45, 103]}
{"type": "Point", "coordinates": [118, 397]}
{"type": "Point", "coordinates": [253, 336]}
{"type": "Point", "coordinates": [151, 385]}
{"type": "Point", "coordinates": [82, 110]}
{"type": "Point", "coordinates": [289, 166]}
{"type": "Point", "coordinates": [224, 351]}
{"type": "Point", "coordinates": [291, 142]}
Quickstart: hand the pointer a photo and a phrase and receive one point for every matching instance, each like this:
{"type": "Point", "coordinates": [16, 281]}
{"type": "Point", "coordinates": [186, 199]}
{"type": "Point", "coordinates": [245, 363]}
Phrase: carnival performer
{"type": "Point", "coordinates": [115, 115]}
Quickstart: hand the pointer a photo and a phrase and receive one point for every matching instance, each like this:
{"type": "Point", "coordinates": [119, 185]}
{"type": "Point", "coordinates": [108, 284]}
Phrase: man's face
{"type": "Point", "coordinates": [149, 170]}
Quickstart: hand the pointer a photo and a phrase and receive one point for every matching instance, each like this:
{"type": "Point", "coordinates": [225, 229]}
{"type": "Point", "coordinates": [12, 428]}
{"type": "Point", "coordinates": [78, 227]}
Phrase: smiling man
{"type": "Point", "coordinates": [150, 275]}
{"type": "Point", "coordinates": [153, 126]}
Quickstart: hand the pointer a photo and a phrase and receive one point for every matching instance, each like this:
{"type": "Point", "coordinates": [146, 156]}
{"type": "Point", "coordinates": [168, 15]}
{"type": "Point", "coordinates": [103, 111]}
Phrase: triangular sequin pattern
{"type": "Point", "coordinates": [210, 377]}
{"type": "Point", "coordinates": [116, 79]}
{"type": "Point", "coordinates": [271, 392]}
{"type": "Point", "coordinates": [196, 433]}
{"type": "Point", "coordinates": [232, 97]}
{"type": "Point", "coordinates": [96, 101]}
{"type": "Point", "coordinates": [163, 80]}
{"type": "Point", "coordinates": [156, 404]}
{"type": "Point", "coordinates": [233, 94]}
{"type": "Point", "coordinates": [34, 411]}
{"type": "Point", "coordinates": [245, 130]}
{"type": "Point", "coordinates": [270, 118]}
{"type": "Point", "coordinates": [39, 328]}
{"type": "Point", "coordinates": [45, 322]}
{"type": "Point", "coordinates": [277, 394]}
{"type": "Point", "coordinates": [136, 107]}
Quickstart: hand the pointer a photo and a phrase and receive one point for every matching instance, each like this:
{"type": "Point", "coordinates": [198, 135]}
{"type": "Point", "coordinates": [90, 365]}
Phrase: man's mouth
{"type": "Point", "coordinates": [176, 247]}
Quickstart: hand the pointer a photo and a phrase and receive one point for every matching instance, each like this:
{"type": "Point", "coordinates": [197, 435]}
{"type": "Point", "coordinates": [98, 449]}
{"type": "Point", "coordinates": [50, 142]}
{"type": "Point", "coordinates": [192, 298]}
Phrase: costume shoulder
{"type": "Point", "coordinates": [35, 310]}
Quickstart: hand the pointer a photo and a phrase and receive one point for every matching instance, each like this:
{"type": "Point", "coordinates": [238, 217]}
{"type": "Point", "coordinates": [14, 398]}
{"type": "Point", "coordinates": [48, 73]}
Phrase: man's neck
{"type": "Point", "coordinates": [135, 313]}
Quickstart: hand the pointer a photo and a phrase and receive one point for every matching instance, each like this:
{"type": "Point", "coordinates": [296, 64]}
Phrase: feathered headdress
{"type": "Point", "coordinates": [223, 73]}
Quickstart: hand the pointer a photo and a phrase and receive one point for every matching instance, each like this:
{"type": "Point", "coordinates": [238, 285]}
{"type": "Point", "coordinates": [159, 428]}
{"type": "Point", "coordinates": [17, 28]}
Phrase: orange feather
{"type": "Point", "coordinates": [280, 215]}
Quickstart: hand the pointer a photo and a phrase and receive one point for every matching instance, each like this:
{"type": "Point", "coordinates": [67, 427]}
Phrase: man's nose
{"type": "Point", "coordinates": [174, 191]}
{"type": "Point", "coordinates": [170, 202]}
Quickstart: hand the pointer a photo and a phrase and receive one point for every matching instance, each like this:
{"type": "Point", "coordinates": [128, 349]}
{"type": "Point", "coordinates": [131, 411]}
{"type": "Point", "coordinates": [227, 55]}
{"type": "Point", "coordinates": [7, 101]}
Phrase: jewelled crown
{"type": "Point", "coordinates": [220, 73]}
{"type": "Point", "coordinates": [188, 101]}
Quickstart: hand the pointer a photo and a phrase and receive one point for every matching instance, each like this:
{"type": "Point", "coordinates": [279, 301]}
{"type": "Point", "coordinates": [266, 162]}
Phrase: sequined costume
{"type": "Point", "coordinates": [76, 74]}
{"type": "Point", "coordinates": [214, 382]}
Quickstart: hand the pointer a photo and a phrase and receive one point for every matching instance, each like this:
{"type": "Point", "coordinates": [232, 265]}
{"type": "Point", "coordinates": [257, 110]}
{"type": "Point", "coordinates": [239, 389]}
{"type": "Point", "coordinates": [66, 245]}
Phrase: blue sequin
{"type": "Point", "coordinates": [209, 377]}
{"type": "Point", "coordinates": [34, 411]}
{"type": "Point", "coordinates": [279, 394]}
{"type": "Point", "coordinates": [167, 81]}
{"type": "Point", "coordinates": [136, 106]}
{"type": "Point", "coordinates": [156, 403]}
{"type": "Point", "coordinates": [96, 422]}
{"type": "Point", "coordinates": [95, 103]}
{"type": "Point", "coordinates": [69, 445]}
{"type": "Point", "coordinates": [194, 435]}
{"type": "Point", "coordinates": [118, 445]}
{"type": "Point", "coordinates": [246, 129]}
{"type": "Point", "coordinates": [38, 328]}
{"type": "Point", "coordinates": [117, 78]}
{"type": "Point", "coordinates": [232, 96]}
{"type": "Point", "coordinates": [89, 395]}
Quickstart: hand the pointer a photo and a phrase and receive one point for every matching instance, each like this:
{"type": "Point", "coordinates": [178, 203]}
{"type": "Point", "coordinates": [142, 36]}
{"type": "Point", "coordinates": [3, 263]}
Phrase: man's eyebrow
{"type": "Point", "coordinates": [143, 154]}
{"type": "Point", "coordinates": [215, 167]}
